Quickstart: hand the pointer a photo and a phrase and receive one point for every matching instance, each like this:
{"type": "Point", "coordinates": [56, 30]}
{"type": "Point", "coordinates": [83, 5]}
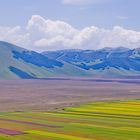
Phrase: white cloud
{"type": "Point", "coordinates": [84, 2]}
{"type": "Point", "coordinates": [41, 34]}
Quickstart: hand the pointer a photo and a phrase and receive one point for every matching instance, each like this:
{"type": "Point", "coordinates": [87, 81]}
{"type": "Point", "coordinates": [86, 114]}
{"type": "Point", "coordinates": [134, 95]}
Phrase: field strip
{"type": "Point", "coordinates": [30, 123]}
{"type": "Point", "coordinates": [49, 134]}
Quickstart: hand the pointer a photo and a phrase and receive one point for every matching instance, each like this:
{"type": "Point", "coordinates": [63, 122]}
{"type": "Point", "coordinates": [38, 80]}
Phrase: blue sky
{"type": "Point", "coordinates": [43, 25]}
{"type": "Point", "coordinates": [104, 14]}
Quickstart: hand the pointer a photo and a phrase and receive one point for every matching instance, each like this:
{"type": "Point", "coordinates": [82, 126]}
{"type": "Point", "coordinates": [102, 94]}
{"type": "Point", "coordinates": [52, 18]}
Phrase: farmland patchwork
{"type": "Point", "coordinates": [116, 120]}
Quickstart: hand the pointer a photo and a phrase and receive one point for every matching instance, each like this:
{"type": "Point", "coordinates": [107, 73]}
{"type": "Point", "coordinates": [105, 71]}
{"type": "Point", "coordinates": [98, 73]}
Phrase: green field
{"type": "Point", "coordinates": [116, 120]}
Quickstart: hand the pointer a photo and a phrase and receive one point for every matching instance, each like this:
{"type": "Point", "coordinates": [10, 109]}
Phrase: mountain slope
{"type": "Point", "coordinates": [17, 62]}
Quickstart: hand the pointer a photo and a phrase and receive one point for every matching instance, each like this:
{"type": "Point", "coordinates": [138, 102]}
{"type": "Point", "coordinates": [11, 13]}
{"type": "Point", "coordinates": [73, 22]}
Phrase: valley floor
{"type": "Point", "coordinates": [70, 109]}
{"type": "Point", "coordinates": [58, 93]}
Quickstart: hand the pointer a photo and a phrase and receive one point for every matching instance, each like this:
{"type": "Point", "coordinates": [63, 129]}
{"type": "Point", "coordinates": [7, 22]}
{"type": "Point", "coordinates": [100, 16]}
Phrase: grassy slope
{"type": "Point", "coordinates": [7, 60]}
{"type": "Point", "coordinates": [99, 121]}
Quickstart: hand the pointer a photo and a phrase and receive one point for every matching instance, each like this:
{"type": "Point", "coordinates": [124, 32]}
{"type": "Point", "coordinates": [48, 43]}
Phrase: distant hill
{"type": "Point", "coordinates": [16, 63]}
{"type": "Point", "coordinates": [104, 62]}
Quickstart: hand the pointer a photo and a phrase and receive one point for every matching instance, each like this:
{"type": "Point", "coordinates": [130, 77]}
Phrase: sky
{"type": "Point", "coordinates": [67, 24]}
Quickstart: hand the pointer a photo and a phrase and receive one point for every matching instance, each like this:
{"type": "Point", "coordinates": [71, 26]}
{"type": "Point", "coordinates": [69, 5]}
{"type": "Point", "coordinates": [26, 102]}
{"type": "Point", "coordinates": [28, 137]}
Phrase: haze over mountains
{"type": "Point", "coordinates": [16, 62]}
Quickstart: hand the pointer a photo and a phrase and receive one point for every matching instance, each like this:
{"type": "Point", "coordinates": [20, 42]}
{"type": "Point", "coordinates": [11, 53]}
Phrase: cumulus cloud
{"type": "Point", "coordinates": [84, 2]}
{"type": "Point", "coordinates": [44, 34]}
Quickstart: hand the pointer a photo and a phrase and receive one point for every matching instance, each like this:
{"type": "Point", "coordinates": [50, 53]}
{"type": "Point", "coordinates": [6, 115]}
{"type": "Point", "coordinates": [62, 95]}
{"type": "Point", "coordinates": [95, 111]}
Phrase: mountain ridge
{"type": "Point", "coordinates": [20, 63]}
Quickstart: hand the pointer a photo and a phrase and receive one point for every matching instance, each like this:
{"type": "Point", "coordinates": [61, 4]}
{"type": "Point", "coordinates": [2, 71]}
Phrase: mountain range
{"type": "Point", "coordinates": [19, 63]}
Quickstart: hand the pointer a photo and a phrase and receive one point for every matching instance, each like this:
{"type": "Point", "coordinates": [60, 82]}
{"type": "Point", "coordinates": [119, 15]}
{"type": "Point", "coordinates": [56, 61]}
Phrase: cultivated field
{"type": "Point", "coordinates": [116, 120]}
{"type": "Point", "coordinates": [52, 94]}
